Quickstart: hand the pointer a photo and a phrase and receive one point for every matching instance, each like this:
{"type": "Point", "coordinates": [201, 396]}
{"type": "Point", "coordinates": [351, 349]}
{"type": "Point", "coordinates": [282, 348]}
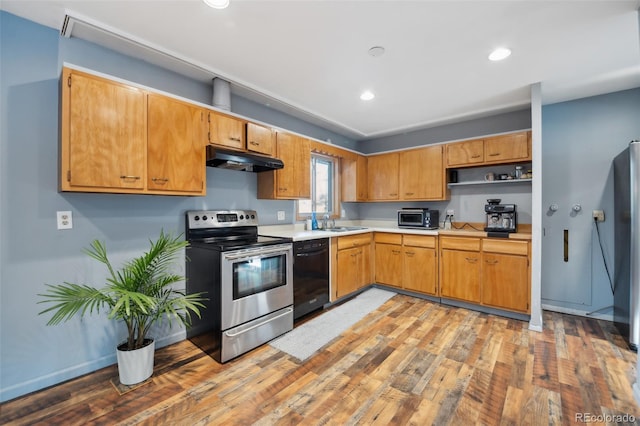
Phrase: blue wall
{"type": "Point", "coordinates": [33, 252]}
{"type": "Point", "coordinates": [579, 141]}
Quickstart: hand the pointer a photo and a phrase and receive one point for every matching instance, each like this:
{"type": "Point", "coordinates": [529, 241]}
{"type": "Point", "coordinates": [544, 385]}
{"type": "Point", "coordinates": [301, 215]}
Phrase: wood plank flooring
{"type": "Point", "coordinates": [409, 362]}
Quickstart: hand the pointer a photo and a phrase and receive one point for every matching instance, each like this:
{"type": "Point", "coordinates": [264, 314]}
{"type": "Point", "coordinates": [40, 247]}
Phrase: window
{"type": "Point", "coordinates": [324, 184]}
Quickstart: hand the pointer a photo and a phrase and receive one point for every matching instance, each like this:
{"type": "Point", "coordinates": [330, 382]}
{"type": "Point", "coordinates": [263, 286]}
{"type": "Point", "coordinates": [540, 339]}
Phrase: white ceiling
{"type": "Point", "coordinates": [309, 58]}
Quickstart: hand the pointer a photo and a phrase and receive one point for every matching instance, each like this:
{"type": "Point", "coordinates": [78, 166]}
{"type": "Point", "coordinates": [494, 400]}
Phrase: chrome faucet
{"type": "Point", "coordinates": [325, 220]}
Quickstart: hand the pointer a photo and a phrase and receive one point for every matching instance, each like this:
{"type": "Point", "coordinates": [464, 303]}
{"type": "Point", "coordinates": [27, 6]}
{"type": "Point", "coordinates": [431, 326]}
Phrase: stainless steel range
{"type": "Point", "coordinates": [248, 279]}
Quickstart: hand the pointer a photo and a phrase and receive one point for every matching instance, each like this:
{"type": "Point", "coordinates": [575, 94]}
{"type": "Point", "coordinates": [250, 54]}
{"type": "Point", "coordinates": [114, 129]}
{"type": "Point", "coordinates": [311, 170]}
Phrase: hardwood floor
{"type": "Point", "coordinates": [409, 362]}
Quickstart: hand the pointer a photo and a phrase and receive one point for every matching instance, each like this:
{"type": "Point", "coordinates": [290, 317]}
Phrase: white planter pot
{"type": "Point", "coordinates": [137, 365]}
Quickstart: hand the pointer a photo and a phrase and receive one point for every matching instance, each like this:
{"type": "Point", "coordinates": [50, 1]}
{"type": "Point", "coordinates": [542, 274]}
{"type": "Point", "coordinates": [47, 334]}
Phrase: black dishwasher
{"type": "Point", "coordinates": [310, 276]}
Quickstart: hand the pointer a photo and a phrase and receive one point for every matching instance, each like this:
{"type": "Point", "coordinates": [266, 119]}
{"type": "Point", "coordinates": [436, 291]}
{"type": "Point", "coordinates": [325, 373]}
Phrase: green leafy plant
{"type": "Point", "coordinates": [141, 293]}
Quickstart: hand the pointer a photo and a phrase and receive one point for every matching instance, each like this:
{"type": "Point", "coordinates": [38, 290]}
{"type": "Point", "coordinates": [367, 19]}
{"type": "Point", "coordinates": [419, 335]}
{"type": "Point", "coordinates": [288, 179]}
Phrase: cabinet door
{"type": "Point", "coordinates": [383, 176]}
{"type": "Point", "coordinates": [420, 270]}
{"type": "Point", "coordinates": [103, 134]}
{"type": "Point", "coordinates": [366, 266]}
{"type": "Point", "coordinates": [353, 179]}
{"type": "Point", "coordinates": [505, 281]}
{"type": "Point", "coordinates": [362, 181]}
{"type": "Point", "coordinates": [226, 131]}
{"type": "Point", "coordinates": [460, 275]}
{"type": "Point", "coordinates": [260, 139]}
{"type": "Point", "coordinates": [422, 174]}
{"type": "Point", "coordinates": [349, 270]}
{"type": "Point", "coordinates": [465, 153]}
{"type": "Point", "coordinates": [302, 170]}
{"type": "Point", "coordinates": [286, 177]}
{"type": "Point", "coordinates": [389, 264]}
{"type": "Point", "coordinates": [512, 147]}
{"type": "Point", "coordinates": [176, 146]}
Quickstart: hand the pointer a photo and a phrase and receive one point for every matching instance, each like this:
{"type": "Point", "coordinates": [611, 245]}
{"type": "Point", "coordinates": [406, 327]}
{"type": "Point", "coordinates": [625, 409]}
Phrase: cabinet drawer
{"type": "Point", "coordinates": [388, 238]}
{"type": "Point", "coordinates": [459, 243]}
{"type": "Point", "coordinates": [426, 241]}
{"type": "Point", "coordinates": [354, 240]}
{"type": "Point", "coordinates": [507, 247]}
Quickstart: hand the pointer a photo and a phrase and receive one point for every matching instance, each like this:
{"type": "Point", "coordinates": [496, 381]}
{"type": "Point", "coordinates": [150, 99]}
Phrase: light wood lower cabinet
{"type": "Point", "coordinates": [460, 273]}
{"type": "Point", "coordinates": [407, 261]}
{"type": "Point", "coordinates": [485, 271]}
{"type": "Point", "coordinates": [353, 264]}
{"type": "Point", "coordinates": [506, 275]}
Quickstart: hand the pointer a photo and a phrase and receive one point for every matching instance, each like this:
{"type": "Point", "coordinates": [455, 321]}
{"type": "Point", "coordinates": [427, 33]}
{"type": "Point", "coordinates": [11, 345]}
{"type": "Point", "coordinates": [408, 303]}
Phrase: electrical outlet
{"type": "Point", "coordinates": [450, 212]}
{"type": "Point", "coordinates": [65, 220]}
{"type": "Point", "coordinates": [281, 215]}
{"type": "Point", "coordinates": [598, 215]}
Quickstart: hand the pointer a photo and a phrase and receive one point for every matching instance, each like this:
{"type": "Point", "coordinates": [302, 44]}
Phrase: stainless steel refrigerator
{"type": "Point", "coordinates": [626, 299]}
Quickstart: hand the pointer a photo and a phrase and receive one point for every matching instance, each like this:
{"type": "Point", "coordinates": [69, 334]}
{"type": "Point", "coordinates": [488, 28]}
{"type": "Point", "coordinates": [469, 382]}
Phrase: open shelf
{"type": "Point", "coordinates": [489, 182]}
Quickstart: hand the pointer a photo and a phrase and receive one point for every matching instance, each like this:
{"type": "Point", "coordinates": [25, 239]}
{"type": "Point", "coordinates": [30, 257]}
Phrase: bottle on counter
{"type": "Point", "coordinates": [314, 221]}
{"type": "Point", "coordinates": [309, 224]}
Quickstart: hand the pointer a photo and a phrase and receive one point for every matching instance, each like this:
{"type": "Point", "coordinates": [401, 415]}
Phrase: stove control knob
{"type": "Point", "coordinates": [241, 217]}
{"type": "Point", "coordinates": [196, 218]}
{"type": "Point", "coordinates": [204, 218]}
{"type": "Point", "coordinates": [253, 216]}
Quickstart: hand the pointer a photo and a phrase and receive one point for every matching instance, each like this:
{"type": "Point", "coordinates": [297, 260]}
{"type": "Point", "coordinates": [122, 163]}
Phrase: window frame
{"type": "Point", "coordinates": [335, 191]}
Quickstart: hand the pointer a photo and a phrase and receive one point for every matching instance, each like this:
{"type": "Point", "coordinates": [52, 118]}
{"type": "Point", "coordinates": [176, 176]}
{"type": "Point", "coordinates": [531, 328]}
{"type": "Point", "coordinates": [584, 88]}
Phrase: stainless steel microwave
{"type": "Point", "coordinates": [418, 218]}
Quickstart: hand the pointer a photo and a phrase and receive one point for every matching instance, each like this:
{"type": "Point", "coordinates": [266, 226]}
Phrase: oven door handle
{"type": "Point", "coordinates": [260, 324]}
{"type": "Point", "coordinates": [256, 252]}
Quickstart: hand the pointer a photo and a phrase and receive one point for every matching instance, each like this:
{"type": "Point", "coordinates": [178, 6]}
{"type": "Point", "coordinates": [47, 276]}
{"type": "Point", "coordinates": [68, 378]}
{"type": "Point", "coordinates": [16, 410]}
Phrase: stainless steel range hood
{"type": "Point", "coordinates": [243, 161]}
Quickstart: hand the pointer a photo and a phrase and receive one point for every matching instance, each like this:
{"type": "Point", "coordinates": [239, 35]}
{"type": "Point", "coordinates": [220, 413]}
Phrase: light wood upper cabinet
{"type": "Point", "coordinates": [465, 153]}
{"type": "Point", "coordinates": [103, 137]}
{"type": "Point", "coordinates": [226, 131]}
{"type": "Point", "coordinates": [501, 149]}
{"type": "Point", "coordinates": [261, 139]}
{"type": "Point", "coordinates": [383, 177]}
{"type": "Point", "coordinates": [176, 147]}
{"type": "Point", "coordinates": [511, 147]}
{"type": "Point", "coordinates": [294, 180]}
{"type": "Point", "coordinates": [353, 178]}
{"type": "Point", "coordinates": [422, 174]}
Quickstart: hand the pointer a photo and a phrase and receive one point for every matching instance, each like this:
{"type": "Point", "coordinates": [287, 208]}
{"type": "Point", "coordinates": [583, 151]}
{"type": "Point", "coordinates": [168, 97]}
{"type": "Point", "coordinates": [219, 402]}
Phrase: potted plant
{"type": "Point", "coordinates": [141, 293]}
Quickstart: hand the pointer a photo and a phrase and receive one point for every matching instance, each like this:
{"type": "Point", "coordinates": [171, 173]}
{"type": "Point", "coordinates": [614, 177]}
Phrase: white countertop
{"type": "Point", "coordinates": [297, 232]}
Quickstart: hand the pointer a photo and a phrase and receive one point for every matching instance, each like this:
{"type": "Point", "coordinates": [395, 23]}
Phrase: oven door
{"type": "Point", "coordinates": [255, 282]}
{"type": "Point", "coordinates": [413, 218]}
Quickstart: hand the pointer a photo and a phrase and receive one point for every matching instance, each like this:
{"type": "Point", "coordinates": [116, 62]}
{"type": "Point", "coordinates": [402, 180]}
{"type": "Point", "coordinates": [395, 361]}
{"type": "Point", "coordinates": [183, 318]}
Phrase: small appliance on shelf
{"type": "Point", "coordinates": [501, 218]}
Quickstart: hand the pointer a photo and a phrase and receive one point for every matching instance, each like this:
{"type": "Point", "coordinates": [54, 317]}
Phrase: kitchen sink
{"type": "Point", "coordinates": [345, 228]}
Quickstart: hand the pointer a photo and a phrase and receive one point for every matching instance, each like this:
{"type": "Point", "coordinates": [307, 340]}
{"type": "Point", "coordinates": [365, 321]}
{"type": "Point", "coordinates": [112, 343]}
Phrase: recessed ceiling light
{"type": "Point", "coordinates": [367, 95]}
{"type": "Point", "coordinates": [217, 4]}
{"type": "Point", "coordinates": [499, 54]}
{"type": "Point", "coordinates": [376, 51]}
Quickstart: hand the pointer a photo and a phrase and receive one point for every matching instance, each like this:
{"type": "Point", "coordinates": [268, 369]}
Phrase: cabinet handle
{"type": "Point", "coordinates": [395, 194]}
{"type": "Point", "coordinates": [475, 156]}
{"type": "Point", "coordinates": [254, 143]}
{"type": "Point", "coordinates": [471, 259]}
{"type": "Point", "coordinates": [130, 177]}
{"type": "Point", "coordinates": [495, 154]}
{"type": "Point", "coordinates": [409, 253]}
{"type": "Point", "coordinates": [282, 189]}
{"type": "Point", "coordinates": [235, 139]}
{"type": "Point", "coordinates": [408, 193]}
{"type": "Point", "coordinates": [395, 251]}
{"type": "Point", "coordinates": [491, 262]}
{"type": "Point", "coordinates": [160, 181]}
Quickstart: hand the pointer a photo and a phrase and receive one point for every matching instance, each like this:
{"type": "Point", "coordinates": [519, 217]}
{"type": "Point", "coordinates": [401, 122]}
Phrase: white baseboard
{"type": "Point", "coordinates": [594, 315]}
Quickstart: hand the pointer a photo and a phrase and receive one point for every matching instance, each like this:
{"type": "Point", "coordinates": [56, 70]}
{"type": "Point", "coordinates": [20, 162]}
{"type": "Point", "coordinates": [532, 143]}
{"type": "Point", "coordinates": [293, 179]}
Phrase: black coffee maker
{"type": "Point", "coordinates": [500, 217]}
